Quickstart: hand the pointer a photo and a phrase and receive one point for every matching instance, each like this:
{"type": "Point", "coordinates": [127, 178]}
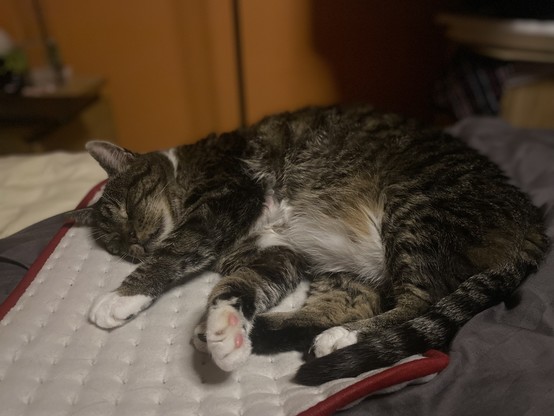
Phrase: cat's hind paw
{"type": "Point", "coordinates": [333, 339]}
{"type": "Point", "coordinates": [227, 336]}
{"type": "Point", "coordinates": [111, 310]}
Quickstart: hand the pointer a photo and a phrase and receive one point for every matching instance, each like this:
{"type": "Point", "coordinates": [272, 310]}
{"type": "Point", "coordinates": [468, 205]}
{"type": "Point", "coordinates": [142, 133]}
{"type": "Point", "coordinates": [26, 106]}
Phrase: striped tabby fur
{"type": "Point", "coordinates": [405, 233]}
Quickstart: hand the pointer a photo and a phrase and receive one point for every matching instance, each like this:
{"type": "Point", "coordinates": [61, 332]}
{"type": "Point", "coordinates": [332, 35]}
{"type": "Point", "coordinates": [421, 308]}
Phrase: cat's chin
{"type": "Point", "coordinates": [134, 254]}
{"type": "Point", "coordinates": [134, 260]}
{"type": "Point", "coordinates": [137, 253]}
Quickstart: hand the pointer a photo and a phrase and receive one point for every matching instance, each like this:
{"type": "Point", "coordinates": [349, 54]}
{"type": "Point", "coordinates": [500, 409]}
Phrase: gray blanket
{"type": "Point", "coordinates": [502, 361]}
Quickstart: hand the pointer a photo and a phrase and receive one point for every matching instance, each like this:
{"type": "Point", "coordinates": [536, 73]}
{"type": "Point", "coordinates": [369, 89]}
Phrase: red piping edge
{"type": "Point", "coordinates": [433, 362]}
{"type": "Point", "coordinates": [24, 283]}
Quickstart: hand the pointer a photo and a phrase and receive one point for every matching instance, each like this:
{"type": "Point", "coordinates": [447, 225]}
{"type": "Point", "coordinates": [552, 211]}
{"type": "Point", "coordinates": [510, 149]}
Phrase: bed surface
{"type": "Point", "coordinates": [501, 361]}
{"type": "Point", "coordinates": [36, 187]}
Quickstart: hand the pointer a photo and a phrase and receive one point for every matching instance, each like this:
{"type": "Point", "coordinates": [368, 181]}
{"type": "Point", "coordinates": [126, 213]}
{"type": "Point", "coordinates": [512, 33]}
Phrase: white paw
{"type": "Point", "coordinates": [333, 339]}
{"type": "Point", "coordinates": [227, 336]}
{"type": "Point", "coordinates": [199, 337]}
{"type": "Point", "coordinates": [111, 310]}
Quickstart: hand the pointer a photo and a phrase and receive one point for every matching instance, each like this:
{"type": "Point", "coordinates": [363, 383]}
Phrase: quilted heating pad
{"type": "Point", "coordinates": [53, 361]}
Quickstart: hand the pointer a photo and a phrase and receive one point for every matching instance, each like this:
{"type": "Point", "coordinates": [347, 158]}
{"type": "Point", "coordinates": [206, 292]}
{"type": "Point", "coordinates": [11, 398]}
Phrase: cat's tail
{"type": "Point", "coordinates": [433, 330]}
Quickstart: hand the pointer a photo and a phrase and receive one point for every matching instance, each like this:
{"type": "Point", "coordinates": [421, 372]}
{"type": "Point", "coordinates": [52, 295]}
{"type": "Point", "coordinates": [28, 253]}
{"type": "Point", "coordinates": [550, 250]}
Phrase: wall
{"type": "Point", "coordinates": [168, 63]}
{"type": "Point", "coordinates": [171, 71]}
{"type": "Point", "coordinates": [299, 52]}
{"type": "Point", "coordinates": [282, 69]}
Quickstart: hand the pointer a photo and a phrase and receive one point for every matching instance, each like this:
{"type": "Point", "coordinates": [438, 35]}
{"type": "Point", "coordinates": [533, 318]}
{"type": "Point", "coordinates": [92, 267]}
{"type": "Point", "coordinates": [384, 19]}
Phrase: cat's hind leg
{"type": "Point", "coordinates": [259, 283]}
{"type": "Point", "coordinates": [333, 299]}
{"type": "Point", "coordinates": [410, 303]}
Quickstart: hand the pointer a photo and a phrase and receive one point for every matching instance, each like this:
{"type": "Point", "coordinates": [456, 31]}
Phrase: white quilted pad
{"type": "Point", "coordinates": [54, 362]}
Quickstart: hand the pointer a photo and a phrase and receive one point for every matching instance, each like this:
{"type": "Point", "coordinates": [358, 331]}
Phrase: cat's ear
{"type": "Point", "coordinates": [81, 216]}
{"type": "Point", "coordinates": [112, 158]}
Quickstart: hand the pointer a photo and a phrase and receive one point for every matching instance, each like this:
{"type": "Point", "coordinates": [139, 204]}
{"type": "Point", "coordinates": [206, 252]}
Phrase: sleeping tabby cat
{"type": "Point", "coordinates": [405, 233]}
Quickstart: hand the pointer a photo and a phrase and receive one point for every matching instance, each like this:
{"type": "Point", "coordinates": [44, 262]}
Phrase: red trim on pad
{"type": "Point", "coordinates": [24, 283]}
{"type": "Point", "coordinates": [434, 362]}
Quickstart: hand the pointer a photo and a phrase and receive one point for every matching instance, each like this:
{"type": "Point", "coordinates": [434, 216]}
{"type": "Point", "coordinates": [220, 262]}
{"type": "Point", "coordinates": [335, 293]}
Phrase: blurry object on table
{"type": "Point", "coordinates": [13, 65]}
{"type": "Point", "coordinates": [472, 85]}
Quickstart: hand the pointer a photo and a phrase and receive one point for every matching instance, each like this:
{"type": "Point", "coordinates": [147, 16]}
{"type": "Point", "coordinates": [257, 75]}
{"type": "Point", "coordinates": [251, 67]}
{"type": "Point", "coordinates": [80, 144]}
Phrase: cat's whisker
{"type": "Point", "coordinates": [97, 236]}
{"type": "Point", "coordinates": [161, 191]}
{"type": "Point", "coordinates": [120, 259]}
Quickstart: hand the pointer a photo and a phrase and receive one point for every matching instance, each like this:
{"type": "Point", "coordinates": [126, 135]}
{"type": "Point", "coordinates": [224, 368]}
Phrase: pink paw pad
{"type": "Point", "coordinates": [239, 339]}
{"type": "Point", "coordinates": [227, 336]}
{"type": "Point", "coordinates": [233, 321]}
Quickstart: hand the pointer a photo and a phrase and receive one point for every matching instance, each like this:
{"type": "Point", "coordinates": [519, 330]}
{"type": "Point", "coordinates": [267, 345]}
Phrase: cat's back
{"type": "Point", "coordinates": [351, 178]}
{"type": "Point", "coordinates": [322, 148]}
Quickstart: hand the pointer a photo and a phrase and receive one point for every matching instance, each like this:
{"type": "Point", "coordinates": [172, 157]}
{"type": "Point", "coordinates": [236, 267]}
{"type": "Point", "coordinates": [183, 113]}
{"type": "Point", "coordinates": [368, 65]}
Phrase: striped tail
{"type": "Point", "coordinates": [433, 330]}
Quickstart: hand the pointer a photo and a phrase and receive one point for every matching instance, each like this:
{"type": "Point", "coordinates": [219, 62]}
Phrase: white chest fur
{"type": "Point", "coordinates": [332, 243]}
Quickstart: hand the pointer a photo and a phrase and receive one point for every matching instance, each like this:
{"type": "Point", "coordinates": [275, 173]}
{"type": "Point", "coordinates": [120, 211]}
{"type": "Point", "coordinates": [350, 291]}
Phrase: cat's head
{"type": "Point", "coordinates": [137, 208]}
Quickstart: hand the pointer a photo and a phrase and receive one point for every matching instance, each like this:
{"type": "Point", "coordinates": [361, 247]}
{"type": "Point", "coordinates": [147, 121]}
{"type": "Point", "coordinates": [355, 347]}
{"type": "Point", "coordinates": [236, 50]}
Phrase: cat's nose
{"type": "Point", "coordinates": [113, 248]}
{"type": "Point", "coordinates": [132, 238]}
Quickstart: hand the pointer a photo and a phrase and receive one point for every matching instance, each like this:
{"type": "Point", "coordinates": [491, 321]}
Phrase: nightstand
{"type": "Point", "coordinates": [31, 118]}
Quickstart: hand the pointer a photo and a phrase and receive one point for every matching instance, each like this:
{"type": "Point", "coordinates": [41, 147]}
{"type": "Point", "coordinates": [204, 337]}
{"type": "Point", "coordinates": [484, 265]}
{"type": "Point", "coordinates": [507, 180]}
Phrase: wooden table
{"type": "Point", "coordinates": [39, 115]}
{"type": "Point", "coordinates": [505, 39]}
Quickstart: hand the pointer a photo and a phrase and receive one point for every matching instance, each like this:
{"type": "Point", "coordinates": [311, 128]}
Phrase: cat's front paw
{"type": "Point", "coordinates": [227, 336]}
{"type": "Point", "coordinates": [333, 339]}
{"type": "Point", "coordinates": [111, 310]}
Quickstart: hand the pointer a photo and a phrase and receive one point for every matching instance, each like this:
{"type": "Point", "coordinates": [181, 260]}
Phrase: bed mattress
{"type": "Point", "coordinates": [35, 187]}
